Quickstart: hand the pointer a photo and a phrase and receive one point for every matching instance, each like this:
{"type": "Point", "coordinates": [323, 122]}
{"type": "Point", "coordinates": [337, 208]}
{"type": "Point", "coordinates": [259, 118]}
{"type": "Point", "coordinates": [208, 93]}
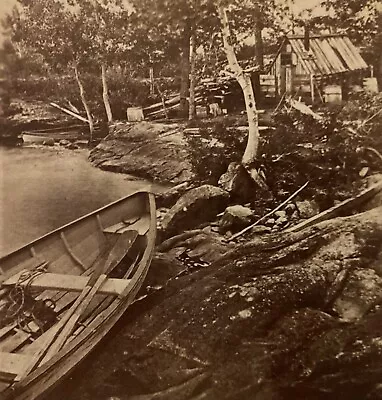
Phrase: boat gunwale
{"type": "Point", "coordinates": [119, 305]}
{"type": "Point", "coordinates": [67, 225]}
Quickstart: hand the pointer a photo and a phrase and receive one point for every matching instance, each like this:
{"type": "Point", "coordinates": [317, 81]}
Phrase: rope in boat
{"type": "Point", "coordinates": [24, 307]}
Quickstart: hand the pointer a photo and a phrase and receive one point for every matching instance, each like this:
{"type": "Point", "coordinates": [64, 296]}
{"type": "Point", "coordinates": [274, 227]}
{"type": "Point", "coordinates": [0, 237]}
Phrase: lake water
{"type": "Point", "coordinates": [43, 188]}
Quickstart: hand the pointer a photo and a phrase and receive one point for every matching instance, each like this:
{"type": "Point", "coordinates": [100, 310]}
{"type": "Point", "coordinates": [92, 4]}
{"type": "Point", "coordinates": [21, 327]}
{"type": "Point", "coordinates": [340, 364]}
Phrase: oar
{"type": "Point", "coordinates": [95, 282]}
{"type": "Point", "coordinates": [59, 333]}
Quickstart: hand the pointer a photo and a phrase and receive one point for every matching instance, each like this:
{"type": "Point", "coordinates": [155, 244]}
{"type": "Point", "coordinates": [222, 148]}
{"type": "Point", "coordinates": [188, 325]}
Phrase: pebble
{"type": "Point", "coordinates": [270, 221]}
{"type": "Point", "coordinates": [281, 214]}
{"type": "Point", "coordinates": [281, 221]}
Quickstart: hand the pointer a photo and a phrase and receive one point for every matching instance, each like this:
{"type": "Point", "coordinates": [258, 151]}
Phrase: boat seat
{"type": "Point", "coordinates": [12, 365]}
{"type": "Point", "coordinates": [140, 225]}
{"type": "Point", "coordinates": [29, 264]}
{"type": "Point", "coordinates": [69, 283]}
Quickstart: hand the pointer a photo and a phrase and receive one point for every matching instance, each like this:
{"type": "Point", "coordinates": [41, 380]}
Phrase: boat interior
{"type": "Point", "coordinates": [41, 282]}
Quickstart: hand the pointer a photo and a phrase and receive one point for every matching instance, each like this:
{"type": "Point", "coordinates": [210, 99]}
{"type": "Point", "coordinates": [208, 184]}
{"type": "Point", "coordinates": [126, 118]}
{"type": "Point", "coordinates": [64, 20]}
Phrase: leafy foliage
{"type": "Point", "coordinates": [329, 153]}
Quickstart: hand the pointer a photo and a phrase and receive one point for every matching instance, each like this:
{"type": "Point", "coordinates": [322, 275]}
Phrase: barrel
{"type": "Point", "coordinates": [134, 114]}
{"type": "Point", "coordinates": [333, 94]}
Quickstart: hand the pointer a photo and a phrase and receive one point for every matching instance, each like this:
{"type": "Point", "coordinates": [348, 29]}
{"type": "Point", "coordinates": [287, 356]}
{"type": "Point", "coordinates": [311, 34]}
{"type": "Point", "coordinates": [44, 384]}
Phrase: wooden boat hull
{"type": "Point", "coordinates": [29, 139]}
{"type": "Point", "coordinates": [43, 378]}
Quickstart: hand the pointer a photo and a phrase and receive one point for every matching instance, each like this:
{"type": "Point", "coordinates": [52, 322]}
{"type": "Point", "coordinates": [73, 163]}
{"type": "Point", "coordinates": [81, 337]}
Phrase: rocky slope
{"type": "Point", "coordinates": [285, 316]}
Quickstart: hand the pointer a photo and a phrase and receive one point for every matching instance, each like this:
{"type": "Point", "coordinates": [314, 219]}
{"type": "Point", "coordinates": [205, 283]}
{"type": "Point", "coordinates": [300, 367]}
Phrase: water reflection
{"type": "Point", "coordinates": [43, 188]}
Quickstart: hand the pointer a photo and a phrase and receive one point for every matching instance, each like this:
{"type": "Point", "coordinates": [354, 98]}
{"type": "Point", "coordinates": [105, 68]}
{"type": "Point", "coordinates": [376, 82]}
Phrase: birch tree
{"type": "Point", "coordinates": [244, 80]}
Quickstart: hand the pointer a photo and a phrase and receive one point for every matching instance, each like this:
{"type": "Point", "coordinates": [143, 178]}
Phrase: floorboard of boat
{"type": "Point", "coordinates": [62, 301]}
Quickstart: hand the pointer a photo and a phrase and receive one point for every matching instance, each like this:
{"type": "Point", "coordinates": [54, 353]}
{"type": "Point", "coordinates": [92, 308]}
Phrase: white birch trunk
{"type": "Point", "coordinates": [152, 83]}
{"type": "Point", "coordinates": [244, 80]}
{"type": "Point", "coordinates": [85, 103]}
{"type": "Point", "coordinates": [105, 94]}
{"type": "Point", "coordinates": [191, 112]}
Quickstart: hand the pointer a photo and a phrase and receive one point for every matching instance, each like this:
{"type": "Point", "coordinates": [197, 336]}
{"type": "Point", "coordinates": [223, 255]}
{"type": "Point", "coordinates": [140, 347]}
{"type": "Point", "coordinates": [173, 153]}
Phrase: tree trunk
{"type": "Point", "coordinates": [259, 51]}
{"type": "Point", "coordinates": [85, 103]}
{"type": "Point", "coordinates": [244, 80]}
{"type": "Point", "coordinates": [152, 82]}
{"type": "Point", "coordinates": [191, 112]}
{"type": "Point", "coordinates": [185, 72]}
{"type": "Point", "coordinates": [105, 94]}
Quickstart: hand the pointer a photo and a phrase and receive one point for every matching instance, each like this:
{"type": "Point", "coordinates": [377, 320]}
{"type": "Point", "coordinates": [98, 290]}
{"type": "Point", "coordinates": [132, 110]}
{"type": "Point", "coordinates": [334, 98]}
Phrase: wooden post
{"type": "Point", "coordinates": [312, 87]}
{"type": "Point", "coordinates": [288, 79]}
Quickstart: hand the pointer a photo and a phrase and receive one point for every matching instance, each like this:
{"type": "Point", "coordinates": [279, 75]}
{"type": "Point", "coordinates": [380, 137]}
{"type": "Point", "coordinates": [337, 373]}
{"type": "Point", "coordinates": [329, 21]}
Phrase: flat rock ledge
{"type": "Point", "coordinates": [153, 151]}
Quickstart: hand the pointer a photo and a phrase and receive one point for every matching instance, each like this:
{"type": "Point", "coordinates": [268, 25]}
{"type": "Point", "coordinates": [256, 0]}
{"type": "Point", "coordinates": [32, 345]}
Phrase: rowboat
{"type": "Point", "coordinates": [74, 284]}
{"type": "Point", "coordinates": [37, 139]}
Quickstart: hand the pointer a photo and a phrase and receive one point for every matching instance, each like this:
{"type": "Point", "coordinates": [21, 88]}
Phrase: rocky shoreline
{"type": "Point", "coordinates": [274, 314]}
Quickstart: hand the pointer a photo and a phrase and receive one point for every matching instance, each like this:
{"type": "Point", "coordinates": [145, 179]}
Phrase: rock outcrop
{"type": "Point", "coordinates": [154, 151]}
{"type": "Point", "coordinates": [288, 316]}
{"type": "Point", "coordinates": [196, 206]}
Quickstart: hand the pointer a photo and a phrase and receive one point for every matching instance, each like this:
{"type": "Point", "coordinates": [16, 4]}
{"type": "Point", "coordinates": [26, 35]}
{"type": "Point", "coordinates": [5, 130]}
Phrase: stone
{"type": "Point", "coordinates": [363, 172]}
{"type": "Point", "coordinates": [235, 218]}
{"type": "Point", "coordinates": [64, 142]}
{"type": "Point", "coordinates": [281, 214]}
{"type": "Point", "coordinates": [169, 197]}
{"type": "Point", "coordinates": [307, 208]}
{"type": "Point", "coordinates": [290, 208]}
{"type": "Point", "coordinates": [48, 142]}
{"type": "Point", "coordinates": [270, 222]}
{"type": "Point", "coordinates": [238, 183]}
{"type": "Point", "coordinates": [362, 291]}
{"type": "Point", "coordinates": [197, 206]}
{"type": "Point", "coordinates": [295, 216]}
{"type": "Point", "coordinates": [281, 221]}
{"type": "Point", "coordinates": [260, 229]}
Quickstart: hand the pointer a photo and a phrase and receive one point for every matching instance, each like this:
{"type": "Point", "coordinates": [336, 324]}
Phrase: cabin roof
{"type": "Point", "coordinates": [327, 54]}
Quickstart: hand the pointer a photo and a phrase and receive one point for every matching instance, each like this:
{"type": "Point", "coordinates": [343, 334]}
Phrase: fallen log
{"type": "Point", "coordinates": [173, 100]}
{"type": "Point", "coordinates": [304, 109]}
{"type": "Point", "coordinates": [66, 111]}
{"type": "Point", "coordinates": [341, 209]}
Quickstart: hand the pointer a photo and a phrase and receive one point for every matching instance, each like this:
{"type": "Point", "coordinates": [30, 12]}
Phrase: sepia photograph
{"type": "Point", "coordinates": [190, 200]}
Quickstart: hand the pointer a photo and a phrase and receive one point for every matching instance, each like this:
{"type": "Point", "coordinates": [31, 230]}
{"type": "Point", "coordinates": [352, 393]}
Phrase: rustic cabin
{"type": "Point", "coordinates": [316, 68]}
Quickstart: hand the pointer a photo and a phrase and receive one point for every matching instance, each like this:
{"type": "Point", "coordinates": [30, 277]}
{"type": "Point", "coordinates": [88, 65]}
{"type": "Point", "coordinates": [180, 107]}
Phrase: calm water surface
{"type": "Point", "coordinates": [43, 188]}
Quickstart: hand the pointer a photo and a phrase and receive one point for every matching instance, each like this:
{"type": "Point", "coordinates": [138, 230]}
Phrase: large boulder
{"type": "Point", "coordinates": [197, 206]}
{"type": "Point", "coordinates": [238, 183]}
{"type": "Point", "coordinates": [235, 218]}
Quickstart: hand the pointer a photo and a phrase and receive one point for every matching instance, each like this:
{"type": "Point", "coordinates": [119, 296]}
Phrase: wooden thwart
{"type": "Point", "coordinates": [54, 339]}
{"type": "Point", "coordinates": [28, 264]}
{"type": "Point", "coordinates": [69, 283]}
{"type": "Point", "coordinates": [12, 364]}
{"type": "Point", "coordinates": [141, 226]}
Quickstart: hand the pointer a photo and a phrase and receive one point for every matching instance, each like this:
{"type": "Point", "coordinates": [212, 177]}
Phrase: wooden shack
{"type": "Point", "coordinates": [317, 67]}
